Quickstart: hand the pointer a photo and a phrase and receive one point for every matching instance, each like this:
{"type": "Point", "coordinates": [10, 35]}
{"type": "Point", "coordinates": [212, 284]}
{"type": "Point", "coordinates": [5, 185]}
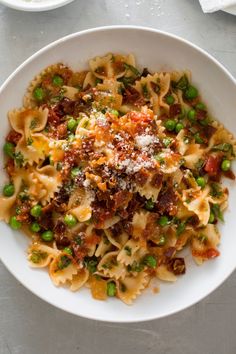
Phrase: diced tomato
{"type": "Point", "coordinates": [13, 137]}
{"type": "Point", "coordinates": [92, 240]}
{"type": "Point", "coordinates": [212, 165]}
{"type": "Point", "coordinates": [139, 117]}
{"type": "Point", "coordinates": [208, 254]}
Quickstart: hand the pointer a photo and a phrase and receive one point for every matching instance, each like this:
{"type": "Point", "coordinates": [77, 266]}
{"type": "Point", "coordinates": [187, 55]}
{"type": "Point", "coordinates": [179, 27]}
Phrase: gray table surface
{"type": "Point", "coordinates": [27, 324]}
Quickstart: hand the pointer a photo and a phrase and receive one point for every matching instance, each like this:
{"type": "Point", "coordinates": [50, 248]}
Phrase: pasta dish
{"type": "Point", "coordinates": [112, 172]}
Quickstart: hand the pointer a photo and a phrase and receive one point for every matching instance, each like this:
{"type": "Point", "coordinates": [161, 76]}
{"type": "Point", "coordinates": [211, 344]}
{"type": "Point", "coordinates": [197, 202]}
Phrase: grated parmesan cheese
{"type": "Point", "coordinates": [144, 140]}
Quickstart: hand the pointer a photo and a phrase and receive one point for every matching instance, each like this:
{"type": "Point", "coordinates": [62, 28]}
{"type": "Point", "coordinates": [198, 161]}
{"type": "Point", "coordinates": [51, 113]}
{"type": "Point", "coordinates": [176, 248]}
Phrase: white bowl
{"type": "Point", "coordinates": [157, 51]}
{"type": "Point", "coordinates": [35, 5]}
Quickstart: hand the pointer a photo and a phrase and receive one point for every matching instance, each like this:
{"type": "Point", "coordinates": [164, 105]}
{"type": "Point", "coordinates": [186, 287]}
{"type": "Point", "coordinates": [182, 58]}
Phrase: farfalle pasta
{"type": "Point", "coordinates": [112, 172]}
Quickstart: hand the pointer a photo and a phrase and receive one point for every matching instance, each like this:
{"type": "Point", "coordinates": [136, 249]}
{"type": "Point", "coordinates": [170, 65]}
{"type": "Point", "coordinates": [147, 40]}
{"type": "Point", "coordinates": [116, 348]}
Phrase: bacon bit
{"type": "Point", "coordinates": [70, 157]}
{"type": "Point", "coordinates": [136, 203]}
{"type": "Point", "coordinates": [24, 213]}
{"type": "Point", "coordinates": [121, 199]}
{"type": "Point", "coordinates": [92, 240]}
{"type": "Point", "coordinates": [60, 228]}
{"type": "Point", "coordinates": [132, 96]}
{"type": "Point", "coordinates": [176, 266]}
{"type": "Point", "coordinates": [79, 251]}
{"type": "Point", "coordinates": [208, 254]}
{"type": "Point", "coordinates": [66, 73]}
{"type": "Point", "coordinates": [157, 180]}
{"type": "Point", "coordinates": [53, 117]}
{"type": "Point", "coordinates": [48, 208]}
{"type": "Point", "coordinates": [100, 215]}
{"type": "Point", "coordinates": [141, 177]}
{"type": "Point", "coordinates": [166, 202]}
{"type": "Point", "coordinates": [169, 252]}
{"type": "Point", "coordinates": [62, 241]}
{"type": "Point", "coordinates": [152, 230]}
{"type": "Point", "coordinates": [212, 165]}
{"type": "Point", "coordinates": [194, 221]}
{"type": "Point", "coordinates": [86, 148]}
{"type": "Point", "coordinates": [175, 109]}
{"type": "Point", "coordinates": [163, 116]}
{"type": "Point", "coordinates": [46, 221]}
{"type": "Point", "coordinates": [208, 131]}
{"type": "Point", "coordinates": [103, 196]}
{"type": "Point", "coordinates": [62, 131]}
{"type": "Point", "coordinates": [65, 106]}
{"type": "Point", "coordinates": [10, 167]}
{"type": "Point", "coordinates": [145, 72]}
{"type": "Point", "coordinates": [201, 114]}
{"type": "Point", "coordinates": [13, 137]}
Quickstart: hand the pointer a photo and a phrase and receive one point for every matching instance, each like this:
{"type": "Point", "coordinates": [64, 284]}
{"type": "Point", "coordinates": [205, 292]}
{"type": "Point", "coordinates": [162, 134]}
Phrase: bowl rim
{"type": "Point", "coordinates": [35, 7]}
{"type": "Point", "coordinates": [102, 29]}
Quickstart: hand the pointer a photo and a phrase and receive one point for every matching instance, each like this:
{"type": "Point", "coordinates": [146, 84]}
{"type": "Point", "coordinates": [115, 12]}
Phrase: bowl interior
{"type": "Point", "coordinates": [35, 5]}
{"type": "Point", "coordinates": [157, 51]}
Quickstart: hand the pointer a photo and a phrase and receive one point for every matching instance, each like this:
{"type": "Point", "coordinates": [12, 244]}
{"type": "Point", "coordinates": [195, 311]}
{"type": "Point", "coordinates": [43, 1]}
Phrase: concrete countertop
{"type": "Point", "coordinates": [27, 324]}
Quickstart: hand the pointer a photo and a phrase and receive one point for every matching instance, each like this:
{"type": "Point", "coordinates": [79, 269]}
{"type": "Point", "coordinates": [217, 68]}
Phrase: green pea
{"type": "Point", "coordinates": [180, 228]}
{"type": "Point", "coordinates": [192, 115]}
{"type": "Point", "coordinates": [225, 165]}
{"type": "Point", "coordinates": [9, 149]}
{"type": "Point", "coordinates": [115, 112]}
{"type": "Point", "coordinates": [98, 81]}
{"type": "Point", "coordinates": [47, 236]}
{"type": "Point", "coordinates": [204, 122]}
{"type": "Point", "coordinates": [211, 218]}
{"type": "Point", "coordinates": [57, 80]}
{"type": "Point", "coordinates": [72, 124]}
{"type": "Point", "coordinates": [201, 106]}
{"type": "Point", "coordinates": [169, 99]}
{"type": "Point", "coordinates": [39, 94]}
{"type": "Point", "coordinates": [68, 250]}
{"type": "Point", "coordinates": [198, 139]}
{"type": "Point", "coordinates": [191, 92]}
{"type": "Point", "coordinates": [150, 261]}
{"type": "Point", "coordinates": [35, 227]}
{"type": "Point", "coordinates": [75, 172]}
{"type": "Point", "coordinates": [8, 190]}
{"type": "Point", "coordinates": [111, 288]}
{"type": "Point", "coordinates": [170, 125]}
{"type": "Point", "coordinates": [36, 211]}
{"type": "Point", "coordinates": [70, 220]}
{"type": "Point", "coordinates": [149, 205]}
{"type": "Point", "coordinates": [162, 241]}
{"type": "Point", "coordinates": [14, 223]}
{"type": "Point", "coordinates": [163, 221]}
{"type": "Point", "coordinates": [35, 258]}
{"type": "Point", "coordinates": [201, 182]}
{"type": "Point", "coordinates": [179, 126]}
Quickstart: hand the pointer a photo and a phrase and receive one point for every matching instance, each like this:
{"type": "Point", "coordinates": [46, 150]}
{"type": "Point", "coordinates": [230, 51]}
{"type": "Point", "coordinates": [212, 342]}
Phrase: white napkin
{"type": "Point", "coordinates": [215, 5]}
